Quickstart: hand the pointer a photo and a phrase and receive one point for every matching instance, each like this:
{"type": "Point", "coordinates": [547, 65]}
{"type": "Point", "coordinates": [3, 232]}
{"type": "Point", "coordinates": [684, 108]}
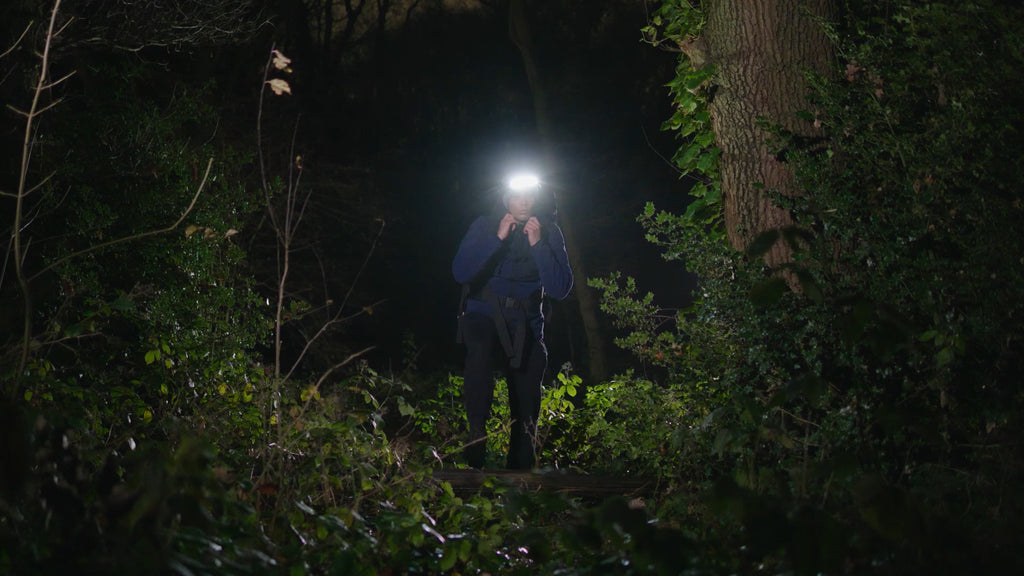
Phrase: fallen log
{"type": "Point", "coordinates": [471, 480]}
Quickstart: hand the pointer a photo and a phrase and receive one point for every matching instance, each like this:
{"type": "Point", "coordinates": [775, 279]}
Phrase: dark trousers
{"type": "Point", "coordinates": [524, 391]}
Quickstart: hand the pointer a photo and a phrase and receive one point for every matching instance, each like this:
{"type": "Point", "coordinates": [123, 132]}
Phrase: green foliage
{"type": "Point", "coordinates": [161, 323]}
{"type": "Point", "coordinates": [674, 21]}
{"type": "Point", "coordinates": [679, 22]}
{"type": "Point", "coordinates": [630, 426]}
{"type": "Point", "coordinates": [436, 414]}
{"type": "Point", "coordinates": [138, 347]}
{"type": "Point", "coordinates": [860, 416]}
{"type": "Point", "coordinates": [868, 423]}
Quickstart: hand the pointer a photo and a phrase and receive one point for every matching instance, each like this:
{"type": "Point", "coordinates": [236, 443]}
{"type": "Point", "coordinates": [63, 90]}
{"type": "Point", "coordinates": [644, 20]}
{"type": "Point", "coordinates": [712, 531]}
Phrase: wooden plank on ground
{"type": "Point", "coordinates": [470, 480]}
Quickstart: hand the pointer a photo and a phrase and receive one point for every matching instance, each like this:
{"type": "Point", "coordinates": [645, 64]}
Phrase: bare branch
{"type": "Point", "coordinates": [17, 111]}
{"type": "Point", "coordinates": [7, 258]}
{"type": "Point", "coordinates": [191, 205]}
{"type": "Point", "coordinates": [56, 82]}
{"type": "Point", "coordinates": [7, 74]}
{"type": "Point", "coordinates": [259, 144]}
{"type": "Point", "coordinates": [26, 155]}
{"type": "Point", "coordinates": [18, 41]}
{"type": "Point", "coordinates": [362, 267]}
{"type": "Point", "coordinates": [341, 364]}
{"type": "Point", "coordinates": [65, 25]}
{"type": "Point", "coordinates": [53, 104]}
{"type": "Point", "coordinates": [338, 317]}
{"type": "Point", "coordinates": [37, 186]}
{"type": "Point", "coordinates": [323, 377]}
{"type": "Point", "coordinates": [134, 25]}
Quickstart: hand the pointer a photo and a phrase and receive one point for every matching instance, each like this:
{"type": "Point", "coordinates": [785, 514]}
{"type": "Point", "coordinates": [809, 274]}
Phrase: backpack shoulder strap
{"type": "Point", "coordinates": [466, 288]}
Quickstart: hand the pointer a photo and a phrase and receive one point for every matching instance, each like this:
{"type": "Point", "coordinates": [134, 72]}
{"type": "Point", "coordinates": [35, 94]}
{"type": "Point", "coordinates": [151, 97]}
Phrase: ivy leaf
{"type": "Point", "coordinates": [714, 194]}
{"type": "Point", "coordinates": [705, 139]}
{"type": "Point", "coordinates": [704, 162]}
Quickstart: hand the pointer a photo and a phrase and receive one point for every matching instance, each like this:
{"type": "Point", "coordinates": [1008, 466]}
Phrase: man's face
{"type": "Point", "coordinates": [520, 206]}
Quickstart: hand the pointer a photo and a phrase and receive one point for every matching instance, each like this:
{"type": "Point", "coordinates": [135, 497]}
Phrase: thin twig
{"type": "Point", "coordinates": [328, 372]}
{"type": "Point", "coordinates": [55, 83]}
{"type": "Point", "coordinates": [41, 183]}
{"type": "Point", "coordinates": [362, 267]}
{"type": "Point", "coordinates": [259, 141]}
{"type": "Point", "coordinates": [191, 205]}
{"type": "Point", "coordinates": [20, 200]}
{"type": "Point", "coordinates": [338, 319]}
{"type": "Point", "coordinates": [338, 316]}
{"type": "Point", "coordinates": [18, 41]}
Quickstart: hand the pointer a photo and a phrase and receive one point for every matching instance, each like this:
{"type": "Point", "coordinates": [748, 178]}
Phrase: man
{"type": "Point", "coordinates": [508, 263]}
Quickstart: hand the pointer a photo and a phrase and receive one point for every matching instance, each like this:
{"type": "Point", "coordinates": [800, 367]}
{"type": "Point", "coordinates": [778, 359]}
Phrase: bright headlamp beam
{"type": "Point", "coordinates": [521, 182]}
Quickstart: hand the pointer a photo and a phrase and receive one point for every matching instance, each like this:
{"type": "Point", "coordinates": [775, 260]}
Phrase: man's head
{"type": "Point", "coordinates": [521, 195]}
{"type": "Point", "coordinates": [520, 204]}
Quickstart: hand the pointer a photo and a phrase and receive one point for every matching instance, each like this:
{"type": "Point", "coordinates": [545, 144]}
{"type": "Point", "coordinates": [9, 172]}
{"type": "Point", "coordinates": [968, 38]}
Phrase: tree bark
{"type": "Point", "coordinates": [520, 32]}
{"type": "Point", "coordinates": [761, 51]}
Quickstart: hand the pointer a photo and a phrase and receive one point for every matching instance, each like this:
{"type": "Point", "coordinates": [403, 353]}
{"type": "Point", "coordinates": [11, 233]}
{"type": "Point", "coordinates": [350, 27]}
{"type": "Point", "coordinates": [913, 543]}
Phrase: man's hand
{"type": "Point", "coordinates": [532, 230]}
{"type": "Point", "coordinates": [507, 225]}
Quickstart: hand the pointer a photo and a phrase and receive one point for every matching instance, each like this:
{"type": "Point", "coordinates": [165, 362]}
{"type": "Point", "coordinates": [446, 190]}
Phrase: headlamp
{"type": "Point", "coordinates": [523, 182]}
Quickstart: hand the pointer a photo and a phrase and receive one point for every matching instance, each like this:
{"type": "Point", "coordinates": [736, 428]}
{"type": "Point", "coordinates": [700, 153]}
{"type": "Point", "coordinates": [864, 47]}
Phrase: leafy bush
{"type": "Point", "coordinates": [868, 420]}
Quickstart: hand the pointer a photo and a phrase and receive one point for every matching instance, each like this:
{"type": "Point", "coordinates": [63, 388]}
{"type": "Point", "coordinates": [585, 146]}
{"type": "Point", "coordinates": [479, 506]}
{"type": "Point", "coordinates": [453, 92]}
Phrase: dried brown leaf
{"type": "Point", "coordinates": [279, 86]}
{"type": "Point", "coordinates": [281, 61]}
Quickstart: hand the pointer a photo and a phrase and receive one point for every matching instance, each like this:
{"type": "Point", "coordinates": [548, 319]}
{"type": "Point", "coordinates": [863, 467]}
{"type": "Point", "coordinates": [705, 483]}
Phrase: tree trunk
{"type": "Point", "coordinates": [520, 32]}
{"type": "Point", "coordinates": [761, 51]}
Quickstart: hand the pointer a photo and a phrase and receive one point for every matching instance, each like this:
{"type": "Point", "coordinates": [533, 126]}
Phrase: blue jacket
{"type": "Point", "coordinates": [513, 268]}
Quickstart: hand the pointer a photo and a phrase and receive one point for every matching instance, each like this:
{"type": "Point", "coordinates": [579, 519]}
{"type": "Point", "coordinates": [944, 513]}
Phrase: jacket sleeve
{"type": "Point", "coordinates": [553, 263]}
{"type": "Point", "coordinates": [477, 247]}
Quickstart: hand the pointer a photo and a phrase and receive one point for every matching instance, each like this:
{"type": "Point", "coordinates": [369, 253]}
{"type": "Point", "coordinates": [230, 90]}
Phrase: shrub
{"type": "Point", "coordinates": [861, 416]}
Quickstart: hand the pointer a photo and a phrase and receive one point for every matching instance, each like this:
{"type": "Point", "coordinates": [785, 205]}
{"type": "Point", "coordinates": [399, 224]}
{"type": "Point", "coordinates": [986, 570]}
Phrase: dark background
{"type": "Point", "coordinates": [407, 131]}
{"type": "Point", "coordinates": [434, 120]}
